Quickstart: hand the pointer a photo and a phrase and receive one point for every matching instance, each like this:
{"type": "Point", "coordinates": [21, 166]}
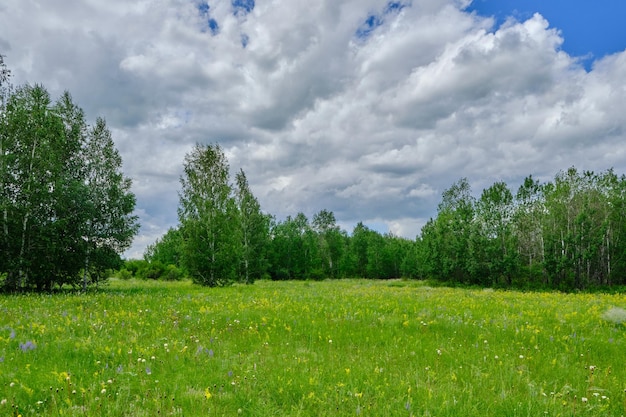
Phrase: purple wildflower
{"type": "Point", "coordinates": [27, 346]}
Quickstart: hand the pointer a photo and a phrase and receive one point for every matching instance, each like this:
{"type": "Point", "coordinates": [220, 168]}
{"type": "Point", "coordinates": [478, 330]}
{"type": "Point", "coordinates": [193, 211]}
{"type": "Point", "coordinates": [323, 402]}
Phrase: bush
{"type": "Point", "coordinates": [172, 273]}
{"type": "Point", "coordinates": [124, 274]}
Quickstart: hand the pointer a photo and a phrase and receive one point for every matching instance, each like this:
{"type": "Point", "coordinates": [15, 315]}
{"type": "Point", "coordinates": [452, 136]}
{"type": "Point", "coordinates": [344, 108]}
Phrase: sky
{"type": "Point", "coordinates": [367, 108]}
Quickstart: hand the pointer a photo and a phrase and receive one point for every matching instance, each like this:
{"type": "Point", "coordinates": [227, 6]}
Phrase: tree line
{"type": "Point", "coordinates": [223, 236]}
{"type": "Point", "coordinates": [65, 206]}
{"type": "Point", "coordinates": [566, 234]}
{"type": "Point", "coordinates": [66, 215]}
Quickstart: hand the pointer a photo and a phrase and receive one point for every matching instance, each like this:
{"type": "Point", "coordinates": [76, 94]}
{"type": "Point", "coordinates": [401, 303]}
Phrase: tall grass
{"type": "Point", "coordinates": [353, 347]}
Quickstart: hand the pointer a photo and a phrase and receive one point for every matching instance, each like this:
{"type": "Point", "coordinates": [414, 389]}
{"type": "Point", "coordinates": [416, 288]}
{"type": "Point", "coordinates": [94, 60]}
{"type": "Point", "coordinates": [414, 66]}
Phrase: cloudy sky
{"type": "Point", "coordinates": [367, 108]}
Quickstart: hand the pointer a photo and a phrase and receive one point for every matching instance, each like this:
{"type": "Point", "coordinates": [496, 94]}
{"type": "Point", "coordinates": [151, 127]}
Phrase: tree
{"type": "Point", "coordinates": [253, 231]}
{"type": "Point", "coordinates": [330, 241]}
{"type": "Point", "coordinates": [5, 73]}
{"type": "Point", "coordinates": [448, 236]}
{"type": "Point", "coordinates": [110, 225]}
{"type": "Point", "coordinates": [167, 249]}
{"type": "Point", "coordinates": [493, 247]}
{"type": "Point", "coordinates": [205, 214]}
{"type": "Point", "coordinates": [51, 221]}
{"type": "Point", "coordinates": [527, 226]}
{"type": "Point", "coordinates": [294, 249]}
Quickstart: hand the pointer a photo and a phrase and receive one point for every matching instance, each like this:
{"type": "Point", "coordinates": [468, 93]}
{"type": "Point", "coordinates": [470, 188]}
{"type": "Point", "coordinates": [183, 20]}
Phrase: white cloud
{"type": "Point", "coordinates": [373, 128]}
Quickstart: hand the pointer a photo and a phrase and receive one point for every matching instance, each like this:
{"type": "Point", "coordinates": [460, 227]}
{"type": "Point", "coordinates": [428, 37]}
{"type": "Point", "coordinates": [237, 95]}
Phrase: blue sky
{"type": "Point", "coordinates": [588, 27]}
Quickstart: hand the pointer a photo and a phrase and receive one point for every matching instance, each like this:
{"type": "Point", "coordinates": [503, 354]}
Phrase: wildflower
{"type": "Point", "coordinates": [27, 346]}
{"type": "Point", "coordinates": [3, 402]}
{"type": "Point", "coordinates": [584, 399]}
{"type": "Point", "coordinates": [104, 391]}
{"type": "Point", "coordinates": [207, 394]}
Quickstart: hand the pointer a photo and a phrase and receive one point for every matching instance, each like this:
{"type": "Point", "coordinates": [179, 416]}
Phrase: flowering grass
{"type": "Point", "coordinates": [351, 347]}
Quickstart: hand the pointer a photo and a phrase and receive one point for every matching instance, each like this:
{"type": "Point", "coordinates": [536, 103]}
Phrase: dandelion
{"type": "Point", "coordinates": [104, 391]}
{"type": "Point", "coordinates": [3, 402]}
{"type": "Point", "coordinates": [207, 394]}
{"type": "Point", "coordinates": [584, 399]}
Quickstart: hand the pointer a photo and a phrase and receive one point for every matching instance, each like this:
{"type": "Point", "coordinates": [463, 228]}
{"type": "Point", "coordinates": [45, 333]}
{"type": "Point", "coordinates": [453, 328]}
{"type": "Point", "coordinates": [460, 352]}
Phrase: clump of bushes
{"type": "Point", "coordinates": [155, 270]}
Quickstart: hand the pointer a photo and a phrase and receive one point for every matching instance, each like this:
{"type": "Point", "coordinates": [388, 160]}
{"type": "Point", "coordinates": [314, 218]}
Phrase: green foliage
{"type": "Point", "coordinates": [150, 270]}
{"type": "Point", "coordinates": [65, 206]}
{"type": "Point", "coordinates": [567, 234]}
{"type": "Point", "coordinates": [210, 242]}
{"type": "Point", "coordinates": [167, 249]}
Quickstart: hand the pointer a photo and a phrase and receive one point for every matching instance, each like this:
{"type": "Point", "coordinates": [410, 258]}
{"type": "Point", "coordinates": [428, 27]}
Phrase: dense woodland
{"type": "Point", "coordinates": [566, 234]}
{"type": "Point", "coordinates": [65, 206]}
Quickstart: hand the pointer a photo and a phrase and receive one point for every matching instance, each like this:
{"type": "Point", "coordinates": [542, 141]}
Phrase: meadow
{"type": "Point", "coordinates": [348, 347]}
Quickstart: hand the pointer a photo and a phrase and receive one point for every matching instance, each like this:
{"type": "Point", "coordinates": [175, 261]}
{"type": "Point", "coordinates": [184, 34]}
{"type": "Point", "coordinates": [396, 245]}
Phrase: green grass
{"type": "Point", "coordinates": [352, 347]}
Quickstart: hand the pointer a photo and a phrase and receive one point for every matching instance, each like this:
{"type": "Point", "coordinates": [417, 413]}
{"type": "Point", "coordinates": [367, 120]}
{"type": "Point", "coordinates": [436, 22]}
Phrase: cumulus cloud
{"type": "Point", "coordinates": [367, 108]}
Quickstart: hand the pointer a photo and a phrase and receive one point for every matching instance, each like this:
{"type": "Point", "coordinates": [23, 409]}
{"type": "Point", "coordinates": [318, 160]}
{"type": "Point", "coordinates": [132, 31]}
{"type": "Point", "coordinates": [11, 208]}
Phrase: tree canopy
{"type": "Point", "coordinates": [65, 206]}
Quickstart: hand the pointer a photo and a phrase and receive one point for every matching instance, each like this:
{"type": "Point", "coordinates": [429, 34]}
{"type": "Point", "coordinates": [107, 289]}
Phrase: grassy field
{"type": "Point", "coordinates": [352, 347]}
